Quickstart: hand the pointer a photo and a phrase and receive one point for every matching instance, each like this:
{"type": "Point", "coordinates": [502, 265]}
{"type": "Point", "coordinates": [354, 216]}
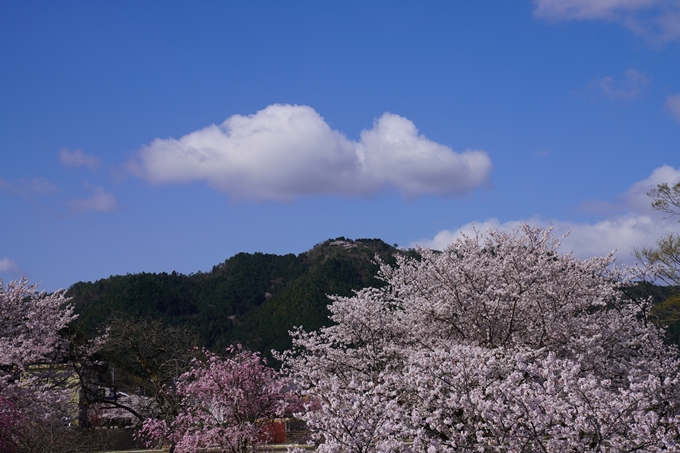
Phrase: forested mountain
{"type": "Point", "coordinates": [254, 299]}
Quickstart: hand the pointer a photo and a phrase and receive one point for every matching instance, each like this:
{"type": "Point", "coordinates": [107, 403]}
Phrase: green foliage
{"type": "Point", "coordinates": [666, 255]}
{"type": "Point", "coordinates": [665, 310]}
{"type": "Point", "coordinates": [667, 315]}
{"type": "Point", "coordinates": [644, 290]}
{"type": "Point", "coordinates": [253, 299]}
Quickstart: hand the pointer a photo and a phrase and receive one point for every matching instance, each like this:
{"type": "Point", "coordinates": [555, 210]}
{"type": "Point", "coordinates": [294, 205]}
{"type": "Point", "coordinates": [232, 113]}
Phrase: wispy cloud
{"type": "Point", "coordinates": [100, 201]}
{"type": "Point", "coordinates": [655, 20]}
{"type": "Point", "coordinates": [629, 87]}
{"type": "Point", "coordinates": [673, 105]}
{"type": "Point", "coordinates": [588, 9]}
{"type": "Point", "coordinates": [78, 158]}
{"type": "Point", "coordinates": [8, 265]}
{"type": "Point", "coordinates": [636, 226]}
{"type": "Point", "coordinates": [27, 187]}
{"type": "Point", "coordinates": [287, 151]}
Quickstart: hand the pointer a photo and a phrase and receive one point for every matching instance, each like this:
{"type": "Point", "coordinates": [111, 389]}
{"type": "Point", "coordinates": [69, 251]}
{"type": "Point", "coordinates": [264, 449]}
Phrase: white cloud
{"type": "Point", "coordinates": [587, 9]}
{"type": "Point", "coordinates": [637, 227]}
{"type": "Point", "coordinates": [28, 187]}
{"type": "Point", "coordinates": [656, 20]}
{"type": "Point", "coordinates": [621, 233]}
{"type": "Point", "coordinates": [287, 151]}
{"type": "Point", "coordinates": [78, 158]}
{"type": "Point", "coordinates": [446, 237]}
{"type": "Point", "coordinates": [628, 88]}
{"type": "Point", "coordinates": [673, 105]}
{"type": "Point", "coordinates": [101, 201]}
{"type": "Point", "coordinates": [635, 199]}
{"type": "Point", "coordinates": [8, 265]}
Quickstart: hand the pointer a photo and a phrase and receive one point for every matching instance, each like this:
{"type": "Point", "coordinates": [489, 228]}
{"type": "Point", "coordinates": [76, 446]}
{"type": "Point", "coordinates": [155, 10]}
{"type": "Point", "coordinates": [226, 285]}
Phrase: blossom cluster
{"type": "Point", "coordinates": [30, 325]}
{"type": "Point", "coordinates": [225, 404]}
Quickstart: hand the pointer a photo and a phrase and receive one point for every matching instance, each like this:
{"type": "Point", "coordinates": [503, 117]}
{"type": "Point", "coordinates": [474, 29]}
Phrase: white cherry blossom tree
{"type": "Point", "coordinates": [30, 322]}
{"type": "Point", "coordinates": [499, 343]}
{"type": "Point", "coordinates": [30, 342]}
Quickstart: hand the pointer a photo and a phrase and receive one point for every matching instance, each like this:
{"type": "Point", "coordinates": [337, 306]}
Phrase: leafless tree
{"type": "Point", "coordinates": [153, 352]}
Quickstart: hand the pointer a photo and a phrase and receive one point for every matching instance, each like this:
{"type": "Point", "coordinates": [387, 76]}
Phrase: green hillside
{"type": "Point", "coordinates": [254, 299]}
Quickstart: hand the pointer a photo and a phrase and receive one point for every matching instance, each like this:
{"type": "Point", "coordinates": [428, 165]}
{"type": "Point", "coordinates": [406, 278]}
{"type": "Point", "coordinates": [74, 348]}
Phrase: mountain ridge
{"type": "Point", "coordinates": [250, 298]}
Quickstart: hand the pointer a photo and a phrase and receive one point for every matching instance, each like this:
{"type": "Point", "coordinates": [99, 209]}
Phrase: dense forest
{"type": "Point", "coordinates": [253, 299]}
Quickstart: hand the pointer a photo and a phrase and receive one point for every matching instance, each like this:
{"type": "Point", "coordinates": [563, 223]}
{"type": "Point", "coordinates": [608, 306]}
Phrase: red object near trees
{"type": "Point", "coordinates": [274, 432]}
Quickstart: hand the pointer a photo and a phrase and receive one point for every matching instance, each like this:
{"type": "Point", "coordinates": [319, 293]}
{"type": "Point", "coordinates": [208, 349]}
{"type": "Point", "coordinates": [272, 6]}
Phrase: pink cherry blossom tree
{"type": "Point", "coordinates": [499, 343]}
{"type": "Point", "coordinates": [225, 404]}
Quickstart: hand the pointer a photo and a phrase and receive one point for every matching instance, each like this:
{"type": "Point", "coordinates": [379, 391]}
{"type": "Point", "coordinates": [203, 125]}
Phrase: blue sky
{"type": "Point", "coordinates": [161, 136]}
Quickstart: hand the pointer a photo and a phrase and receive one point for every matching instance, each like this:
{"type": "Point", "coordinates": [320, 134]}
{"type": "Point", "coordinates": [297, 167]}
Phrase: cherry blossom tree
{"type": "Point", "coordinates": [30, 325]}
{"type": "Point", "coordinates": [36, 382]}
{"type": "Point", "coordinates": [499, 343]}
{"type": "Point", "coordinates": [226, 403]}
{"type": "Point", "coordinates": [30, 322]}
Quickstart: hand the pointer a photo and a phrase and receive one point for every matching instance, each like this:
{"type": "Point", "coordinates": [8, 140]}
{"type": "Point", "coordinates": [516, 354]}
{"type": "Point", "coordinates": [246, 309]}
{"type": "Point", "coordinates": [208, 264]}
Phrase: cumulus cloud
{"type": "Point", "coordinates": [78, 158]}
{"type": "Point", "coordinates": [628, 88]}
{"type": "Point", "coordinates": [635, 199]}
{"type": "Point", "coordinates": [100, 201]}
{"type": "Point", "coordinates": [8, 265]}
{"type": "Point", "coordinates": [287, 151]}
{"type": "Point", "coordinates": [27, 187]}
{"type": "Point", "coordinates": [656, 20]}
{"type": "Point", "coordinates": [637, 227]}
{"type": "Point", "coordinates": [673, 105]}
